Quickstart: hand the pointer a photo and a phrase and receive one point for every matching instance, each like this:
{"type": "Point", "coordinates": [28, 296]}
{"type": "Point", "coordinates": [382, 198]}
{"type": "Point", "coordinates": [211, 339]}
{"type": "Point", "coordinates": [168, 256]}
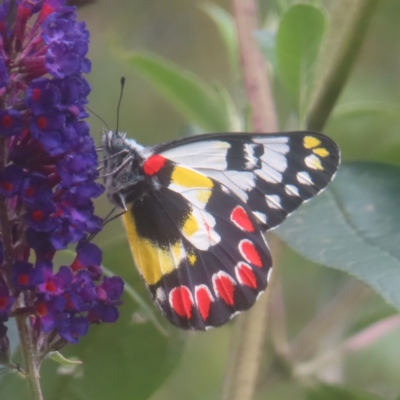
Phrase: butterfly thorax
{"type": "Point", "coordinates": [123, 160]}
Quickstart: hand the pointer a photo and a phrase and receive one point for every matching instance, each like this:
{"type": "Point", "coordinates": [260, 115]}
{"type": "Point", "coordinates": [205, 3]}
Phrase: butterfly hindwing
{"type": "Point", "coordinates": [198, 248]}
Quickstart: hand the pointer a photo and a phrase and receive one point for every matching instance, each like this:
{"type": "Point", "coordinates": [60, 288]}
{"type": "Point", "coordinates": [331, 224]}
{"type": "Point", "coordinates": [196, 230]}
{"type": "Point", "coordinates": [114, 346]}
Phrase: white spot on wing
{"type": "Point", "coordinates": [239, 182]}
{"type": "Point", "coordinates": [268, 174]}
{"type": "Point", "coordinates": [304, 178]}
{"type": "Point", "coordinates": [269, 274]}
{"type": "Point", "coordinates": [313, 162]}
{"type": "Point", "coordinates": [269, 139]}
{"type": "Point", "coordinates": [241, 179]}
{"type": "Point", "coordinates": [249, 155]}
{"type": "Point", "coordinates": [160, 295]}
{"type": "Point", "coordinates": [236, 313]}
{"type": "Point", "coordinates": [275, 160]}
{"type": "Point", "coordinates": [279, 148]}
{"type": "Point", "coordinates": [197, 196]}
{"type": "Point", "coordinates": [262, 217]}
{"type": "Point", "coordinates": [273, 201]}
{"type": "Point", "coordinates": [259, 294]}
{"type": "Point", "coordinates": [212, 153]}
{"type": "Point", "coordinates": [204, 236]}
{"type": "Point", "coordinates": [292, 190]}
{"type": "Point", "coordinates": [208, 328]}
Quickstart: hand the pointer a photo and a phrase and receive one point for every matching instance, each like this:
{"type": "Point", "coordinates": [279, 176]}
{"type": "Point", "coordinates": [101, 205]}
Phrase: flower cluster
{"type": "Point", "coordinates": [47, 176]}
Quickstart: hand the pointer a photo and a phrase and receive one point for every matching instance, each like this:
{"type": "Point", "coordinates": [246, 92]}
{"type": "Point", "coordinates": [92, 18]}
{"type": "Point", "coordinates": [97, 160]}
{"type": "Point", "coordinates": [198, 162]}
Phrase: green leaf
{"type": "Point", "coordinates": [357, 125]}
{"type": "Point", "coordinates": [329, 392]}
{"type": "Point", "coordinates": [59, 358]}
{"type": "Point", "coordinates": [354, 227]}
{"type": "Point", "coordinates": [226, 26]}
{"type": "Point", "coordinates": [122, 361]}
{"type": "Point", "coordinates": [194, 98]}
{"type": "Point", "coordinates": [298, 42]}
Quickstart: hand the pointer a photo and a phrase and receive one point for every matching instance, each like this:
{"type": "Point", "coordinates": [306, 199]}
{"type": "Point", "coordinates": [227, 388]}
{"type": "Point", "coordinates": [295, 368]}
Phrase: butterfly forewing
{"type": "Point", "coordinates": [273, 174]}
{"type": "Point", "coordinates": [196, 210]}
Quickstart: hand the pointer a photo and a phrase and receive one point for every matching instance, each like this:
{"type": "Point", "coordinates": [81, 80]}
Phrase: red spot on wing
{"type": "Point", "coordinates": [245, 275]}
{"type": "Point", "coordinates": [181, 301]}
{"type": "Point", "coordinates": [241, 219]}
{"type": "Point", "coordinates": [153, 164]}
{"type": "Point", "coordinates": [203, 299]}
{"type": "Point", "coordinates": [224, 286]}
{"type": "Point", "coordinates": [250, 253]}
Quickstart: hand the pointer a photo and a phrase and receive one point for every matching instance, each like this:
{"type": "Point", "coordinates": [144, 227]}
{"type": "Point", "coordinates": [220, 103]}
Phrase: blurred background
{"type": "Point", "coordinates": [322, 306]}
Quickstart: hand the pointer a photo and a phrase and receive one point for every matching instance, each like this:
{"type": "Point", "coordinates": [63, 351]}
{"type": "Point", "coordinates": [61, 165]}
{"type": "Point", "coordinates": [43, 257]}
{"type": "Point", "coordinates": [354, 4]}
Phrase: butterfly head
{"type": "Point", "coordinates": [121, 164]}
{"type": "Point", "coordinates": [113, 142]}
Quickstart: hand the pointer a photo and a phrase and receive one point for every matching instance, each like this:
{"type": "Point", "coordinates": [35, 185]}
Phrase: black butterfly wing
{"type": "Point", "coordinates": [272, 173]}
{"type": "Point", "coordinates": [198, 247]}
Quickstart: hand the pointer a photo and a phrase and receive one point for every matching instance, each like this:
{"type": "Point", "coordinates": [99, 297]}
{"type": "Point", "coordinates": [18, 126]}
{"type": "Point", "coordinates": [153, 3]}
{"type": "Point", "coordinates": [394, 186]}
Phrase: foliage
{"type": "Point", "coordinates": [350, 231]}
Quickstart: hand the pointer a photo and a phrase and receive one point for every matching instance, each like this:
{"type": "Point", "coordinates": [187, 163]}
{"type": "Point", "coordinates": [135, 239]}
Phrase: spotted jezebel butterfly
{"type": "Point", "coordinates": [195, 210]}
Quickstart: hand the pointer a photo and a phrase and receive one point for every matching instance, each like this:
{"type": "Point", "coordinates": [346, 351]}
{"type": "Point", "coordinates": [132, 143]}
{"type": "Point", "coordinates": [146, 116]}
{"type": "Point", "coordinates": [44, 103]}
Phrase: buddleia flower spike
{"type": "Point", "coordinates": [48, 180]}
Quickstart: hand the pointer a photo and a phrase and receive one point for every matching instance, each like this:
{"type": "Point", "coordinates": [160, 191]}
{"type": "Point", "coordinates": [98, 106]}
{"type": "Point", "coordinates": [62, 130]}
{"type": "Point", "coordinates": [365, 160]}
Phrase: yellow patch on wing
{"type": "Point", "coordinates": [178, 252]}
{"type": "Point", "coordinates": [190, 226]}
{"type": "Point", "coordinates": [309, 142]}
{"type": "Point", "coordinates": [189, 178]}
{"type": "Point", "coordinates": [203, 195]}
{"type": "Point", "coordinates": [320, 151]}
{"type": "Point", "coordinates": [192, 258]}
{"type": "Point", "coordinates": [152, 261]}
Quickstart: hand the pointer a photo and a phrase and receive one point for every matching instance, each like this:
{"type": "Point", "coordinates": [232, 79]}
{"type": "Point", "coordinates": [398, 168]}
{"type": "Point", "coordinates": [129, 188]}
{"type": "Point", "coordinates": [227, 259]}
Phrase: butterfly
{"type": "Point", "coordinates": [195, 211]}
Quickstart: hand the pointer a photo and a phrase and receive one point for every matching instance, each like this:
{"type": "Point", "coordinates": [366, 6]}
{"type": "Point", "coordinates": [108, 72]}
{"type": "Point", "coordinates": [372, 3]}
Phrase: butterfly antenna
{"type": "Point", "coordinates": [98, 116]}
{"type": "Point", "coordinates": [119, 101]}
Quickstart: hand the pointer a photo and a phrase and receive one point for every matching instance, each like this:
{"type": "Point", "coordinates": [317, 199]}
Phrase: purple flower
{"type": "Point", "coordinates": [53, 284]}
{"type": "Point", "coordinates": [108, 292]}
{"type": "Point", "coordinates": [35, 189]}
{"type": "Point", "coordinates": [88, 254]}
{"type": "Point", "coordinates": [48, 178]}
{"type": "Point", "coordinates": [10, 180]}
{"type": "Point", "coordinates": [10, 122]}
{"type": "Point", "coordinates": [49, 311]}
{"type": "Point", "coordinates": [71, 327]}
{"type": "Point", "coordinates": [25, 276]}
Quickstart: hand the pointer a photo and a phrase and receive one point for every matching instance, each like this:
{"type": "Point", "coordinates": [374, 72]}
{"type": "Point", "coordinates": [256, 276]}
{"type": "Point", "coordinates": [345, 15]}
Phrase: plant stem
{"type": "Point", "coordinates": [249, 330]}
{"type": "Point", "coordinates": [26, 342]}
{"type": "Point", "coordinates": [257, 86]}
{"type": "Point", "coordinates": [327, 322]}
{"type": "Point", "coordinates": [350, 21]}
{"type": "Point", "coordinates": [29, 353]}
